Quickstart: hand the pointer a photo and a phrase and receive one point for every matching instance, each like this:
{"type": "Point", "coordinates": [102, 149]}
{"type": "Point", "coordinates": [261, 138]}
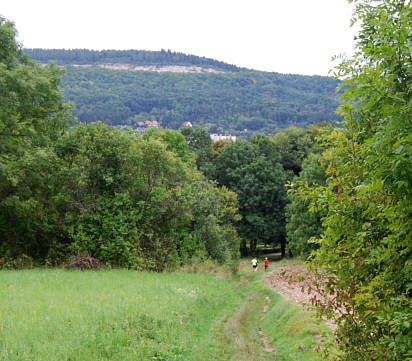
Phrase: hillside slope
{"type": "Point", "coordinates": [117, 88]}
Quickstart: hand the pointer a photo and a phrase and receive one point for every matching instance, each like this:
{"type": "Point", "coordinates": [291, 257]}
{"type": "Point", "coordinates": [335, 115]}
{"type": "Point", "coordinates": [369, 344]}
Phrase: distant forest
{"type": "Point", "coordinates": [233, 101]}
{"type": "Point", "coordinates": [136, 57]}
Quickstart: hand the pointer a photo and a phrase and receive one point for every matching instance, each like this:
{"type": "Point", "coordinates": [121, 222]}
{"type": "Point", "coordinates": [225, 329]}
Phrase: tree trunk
{"type": "Point", "coordinates": [253, 244]}
{"type": "Point", "coordinates": [283, 247]}
{"type": "Point", "coordinates": [243, 248]}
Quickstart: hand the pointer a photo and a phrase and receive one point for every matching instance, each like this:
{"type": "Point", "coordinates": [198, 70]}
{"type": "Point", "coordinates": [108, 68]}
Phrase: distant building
{"type": "Point", "coordinates": [216, 137]}
{"type": "Point", "coordinates": [187, 124]}
{"type": "Point", "coordinates": [151, 123]}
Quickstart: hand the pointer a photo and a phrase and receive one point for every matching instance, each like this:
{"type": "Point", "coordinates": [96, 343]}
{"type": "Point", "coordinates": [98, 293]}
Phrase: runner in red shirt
{"type": "Point", "coordinates": [266, 262]}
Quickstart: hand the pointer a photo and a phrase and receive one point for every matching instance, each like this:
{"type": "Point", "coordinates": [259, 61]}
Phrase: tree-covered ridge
{"type": "Point", "coordinates": [230, 102]}
{"type": "Point", "coordinates": [135, 57]}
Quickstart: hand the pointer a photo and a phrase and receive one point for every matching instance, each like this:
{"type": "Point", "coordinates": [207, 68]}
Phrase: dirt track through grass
{"type": "Point", "coordinates": [242, 332]}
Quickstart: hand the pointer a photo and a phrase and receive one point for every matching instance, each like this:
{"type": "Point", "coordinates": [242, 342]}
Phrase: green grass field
{"type": "Point", "coordinates": [109, 315]}
{"type": "Point", "coordinates": [126, 315]}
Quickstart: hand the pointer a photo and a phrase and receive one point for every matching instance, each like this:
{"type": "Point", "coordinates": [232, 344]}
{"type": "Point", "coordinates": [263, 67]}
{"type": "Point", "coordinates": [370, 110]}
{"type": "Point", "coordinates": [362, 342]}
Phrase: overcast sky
{"type": "Point", "coordinates": [286, 36]}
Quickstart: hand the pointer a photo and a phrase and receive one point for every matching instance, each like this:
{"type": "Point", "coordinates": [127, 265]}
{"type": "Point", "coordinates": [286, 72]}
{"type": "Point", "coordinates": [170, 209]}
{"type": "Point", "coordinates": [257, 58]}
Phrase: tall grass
{"type": "Point", "coordinates": [110, 315]}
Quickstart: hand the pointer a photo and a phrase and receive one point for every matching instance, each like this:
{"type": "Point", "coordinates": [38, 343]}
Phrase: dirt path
{"type": "Point", "coordinates": [242, 331]}
{"type": "Point", "coordinates": [290, 291]}
{"type": "Point", "coordinates": [265, 340]}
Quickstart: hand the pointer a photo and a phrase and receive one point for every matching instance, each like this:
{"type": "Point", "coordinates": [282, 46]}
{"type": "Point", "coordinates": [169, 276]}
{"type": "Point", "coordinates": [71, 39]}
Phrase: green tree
{"type": "Point", "coordinates": [210, 232]}
{"type": "Point", "coordinates": [124, 196]}
{"type": "Point", "coordinates": [301, 225]}
{"type": "Point", "coordinates": [32, 112]}
{"type": "Point", "coordinates": [293, 145]}
{"type": "Point", "coordinates": [132, 202]}
{"type": "Point", "coordinates": [258, 182]}
{"type": "Point", "coordinates": [366, 247]}
{"type": "Point", "coordinates": [175, 141]}
{"type": "Point", "coordinates": [218, 146]}
{"type": "Point", "coordinates": [200, 143]}
{"type": "Point", "coordinates": [32, 117]}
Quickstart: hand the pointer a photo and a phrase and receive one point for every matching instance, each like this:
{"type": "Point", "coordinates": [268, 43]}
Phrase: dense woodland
{"type": "Point", "coordinates": [136, 57]}
{"type": "Point", "coordinates": [228, 102]}
{"type": "Point", "coordinates": [338, 196]}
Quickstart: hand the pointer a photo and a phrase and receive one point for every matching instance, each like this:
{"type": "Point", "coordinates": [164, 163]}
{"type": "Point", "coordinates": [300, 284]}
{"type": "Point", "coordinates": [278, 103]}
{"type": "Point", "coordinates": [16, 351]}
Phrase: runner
{"type": "Point", "coordinates": [254, 264]}
{"type": "Point", "coordinates": [266, 262]}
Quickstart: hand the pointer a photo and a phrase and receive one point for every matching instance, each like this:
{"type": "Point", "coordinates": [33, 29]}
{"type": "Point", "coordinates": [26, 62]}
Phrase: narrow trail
{"type": "Point", "coordinates": [242, 331]}
{"type": "Point", "coordinates": [265, 340]}
{"type": "Point", "coordinates": [245, 332]}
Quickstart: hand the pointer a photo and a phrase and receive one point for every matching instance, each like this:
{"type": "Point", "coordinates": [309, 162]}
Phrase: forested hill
{"type": "Point", "coordinates": [134, 57]}
{"type": "Point", "coordinates": [226, 100]}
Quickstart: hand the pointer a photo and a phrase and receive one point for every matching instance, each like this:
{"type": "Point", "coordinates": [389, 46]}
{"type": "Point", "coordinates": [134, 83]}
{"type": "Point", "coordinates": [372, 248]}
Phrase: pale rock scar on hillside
{"type": "Point", "coordinates": [154, 68]}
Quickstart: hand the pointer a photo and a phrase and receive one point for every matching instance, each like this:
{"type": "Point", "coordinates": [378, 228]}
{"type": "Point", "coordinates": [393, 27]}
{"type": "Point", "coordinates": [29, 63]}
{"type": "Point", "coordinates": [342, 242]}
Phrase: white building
{"type": "Point", "coordinates": [216, 137]}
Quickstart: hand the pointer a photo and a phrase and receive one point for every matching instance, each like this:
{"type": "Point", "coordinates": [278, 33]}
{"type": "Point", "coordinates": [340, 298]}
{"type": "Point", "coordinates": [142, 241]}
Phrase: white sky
{"type": "Point", "coordinates": [285, 36]}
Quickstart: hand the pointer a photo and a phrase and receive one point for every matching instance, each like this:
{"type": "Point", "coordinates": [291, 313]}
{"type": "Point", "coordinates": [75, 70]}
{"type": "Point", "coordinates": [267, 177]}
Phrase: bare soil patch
{"type": "Point", "coordinates": [285, 281]}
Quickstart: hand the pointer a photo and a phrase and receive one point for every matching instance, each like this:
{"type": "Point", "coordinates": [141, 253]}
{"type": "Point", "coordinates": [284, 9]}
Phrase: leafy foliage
{"type": "Point", "coordinates": [301, 225]}
{"type": "Point", "coordinates": [32, 117]}
{"type": "Point", "coordinates": [200, 143]}
{"type": "Point", "coordinates": [366, 248]}
{"type": "Point", "coordinates": [294, 144]}
{"type": "Point", "coordinates": [136, 204]}
{"type": "Point", "coordinates": [253, 172]}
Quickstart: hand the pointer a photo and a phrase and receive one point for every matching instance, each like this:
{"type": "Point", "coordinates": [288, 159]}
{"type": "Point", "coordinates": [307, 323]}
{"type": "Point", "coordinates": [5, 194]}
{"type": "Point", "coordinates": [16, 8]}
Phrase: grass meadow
{"type": "Point", "coordinates": [110, 315]}
{"type": "Point", "coordinates": [126, 315]}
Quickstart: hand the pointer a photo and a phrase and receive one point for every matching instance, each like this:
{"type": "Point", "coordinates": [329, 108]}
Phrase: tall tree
{"type": "Point", "coordinates": [132, 202]}
{"type": "Point", "coordinates": [200, 143]}
{"type": "Point", "coordinates": [293, 145]}
{"type": "Point", "coordinates": [366, 248]}
{"type": "Point", "coordinates": [32, 117]}
{"type": "Point", "coordinates": [258, 180]}
{"type": "Point", "coordinates": [301, 225]}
